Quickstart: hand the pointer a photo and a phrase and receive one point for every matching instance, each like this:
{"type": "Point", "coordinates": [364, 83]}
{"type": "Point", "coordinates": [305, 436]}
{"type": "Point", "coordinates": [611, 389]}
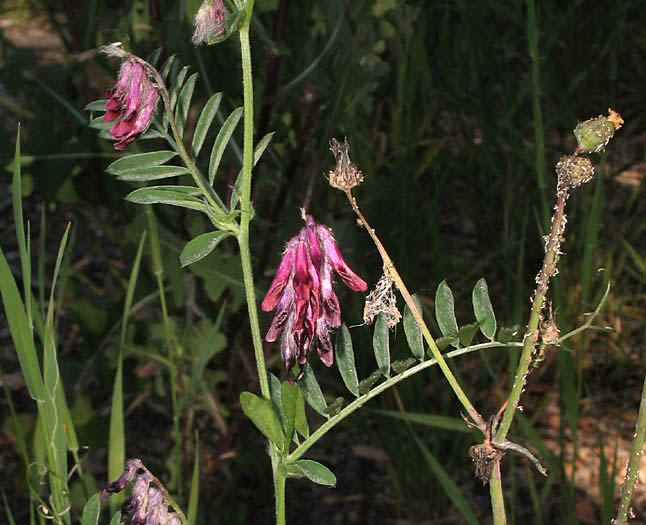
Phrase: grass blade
{"type": "Point", "coordinates": [10, 519]}
{"type": "Point", "coordinates": [194, 495]}
{"type": "Point", "coordinates": [23, 248]}
{"type": "Point", "coordinates": [453, 424]}
{"type": "Point", "coordinates": [449, 486]}
{"type": "Point", "coordinates": [54, 408]}
{"type": "Point", "coordinates": [20, 329]}
{"type": "Point", "coordinates": [116, 436]}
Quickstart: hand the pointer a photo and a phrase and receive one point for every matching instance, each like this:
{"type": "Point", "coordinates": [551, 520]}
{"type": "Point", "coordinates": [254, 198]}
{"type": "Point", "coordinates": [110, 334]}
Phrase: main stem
{"type": "Point", "coordinates": [552, 247]}
{"type": "Point", "coordinates": [390, 268]}
{"type": "Point", "coordinates": [243, 242]}
{"type": "Point", "coordinates": [530, 339]}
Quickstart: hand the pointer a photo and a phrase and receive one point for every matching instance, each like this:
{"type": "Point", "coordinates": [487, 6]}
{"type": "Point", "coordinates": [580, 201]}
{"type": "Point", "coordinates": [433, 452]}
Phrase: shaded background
{"type": "Point", "coordinates": [457, 127]}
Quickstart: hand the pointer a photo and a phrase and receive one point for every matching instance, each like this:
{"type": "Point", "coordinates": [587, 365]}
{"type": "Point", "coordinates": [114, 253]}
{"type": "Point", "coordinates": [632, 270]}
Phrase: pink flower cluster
{"type": "Point", "coordinates": [306, 305]}
{"type": "Point", "coordinates": [132, 100]}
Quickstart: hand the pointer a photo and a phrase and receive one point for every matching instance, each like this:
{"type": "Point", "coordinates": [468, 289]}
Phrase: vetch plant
{"type": "Point", "coordinates": [307, 309]}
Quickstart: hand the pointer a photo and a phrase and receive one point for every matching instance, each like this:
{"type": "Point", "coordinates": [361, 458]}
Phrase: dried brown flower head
{"type": "Point", "coordinates": [345, 174]}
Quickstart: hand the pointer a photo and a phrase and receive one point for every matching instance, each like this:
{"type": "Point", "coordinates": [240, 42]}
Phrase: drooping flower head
{"type": "Point", "coordinates": [146, 505]}
{"type": "Point", "coordinates": [302, 294]}
{"type": "Point", "coordinates": [131, 103]}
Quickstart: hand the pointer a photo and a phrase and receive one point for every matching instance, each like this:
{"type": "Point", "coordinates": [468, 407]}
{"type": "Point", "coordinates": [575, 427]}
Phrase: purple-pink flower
{"type": "Point", "coordinates": [302, 294]}
{"type": "Point", "coordinates": [132, 100]}
{"type": "Point", "coordinates": [146, 505]}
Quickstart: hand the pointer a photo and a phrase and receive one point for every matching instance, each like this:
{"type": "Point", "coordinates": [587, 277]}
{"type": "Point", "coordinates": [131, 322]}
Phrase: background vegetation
{"type": "Point", "coordinates": [456, 112]}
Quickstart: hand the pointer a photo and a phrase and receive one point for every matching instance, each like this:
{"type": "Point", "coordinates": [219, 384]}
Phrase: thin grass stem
{"type": "Point", "coordinates": [636, 453]}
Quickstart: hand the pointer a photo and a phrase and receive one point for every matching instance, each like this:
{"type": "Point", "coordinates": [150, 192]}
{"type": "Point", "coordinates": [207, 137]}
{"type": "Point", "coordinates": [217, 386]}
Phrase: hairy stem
{"type": "Point", "coordinates": [245, 208]}
{"type": "Point", "coordinates": [530, 339]}
{"type": "Point", "coordinates": [390, 267]}
{"type": "Point", "coordinates": [243, 242]}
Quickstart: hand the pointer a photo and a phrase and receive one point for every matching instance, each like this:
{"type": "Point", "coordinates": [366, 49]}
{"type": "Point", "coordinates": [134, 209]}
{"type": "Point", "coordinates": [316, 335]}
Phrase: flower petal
{"type": "Point", "coordinates": [329, 301]}
{"type": "Point", "coordinates": [324, 344]}
{"type": "Point", "coordinates": [284, 308]}
{"type": "Point", "coordinates": [283, 275]}
{"type": "Point", "coordinates": [333, 255]}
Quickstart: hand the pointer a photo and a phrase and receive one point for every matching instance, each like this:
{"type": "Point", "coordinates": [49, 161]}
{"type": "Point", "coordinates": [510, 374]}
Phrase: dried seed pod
{"type": "Point", "coordinates": [345, 174]}
{"type": "Point", "coordinates": [575, 170]}
{"type": "Point", "coordinates": [593, 135]}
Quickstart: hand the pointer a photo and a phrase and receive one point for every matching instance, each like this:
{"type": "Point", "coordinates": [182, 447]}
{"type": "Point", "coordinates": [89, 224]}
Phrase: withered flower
{"type": "Point", "coordinates": [146, 505]}
{"type": "Point", "coordinates": [132, 101]}
{"type": "Point", "coordinates": [302, 293]}
{"type": "Point", "coordinates": [210, 22]}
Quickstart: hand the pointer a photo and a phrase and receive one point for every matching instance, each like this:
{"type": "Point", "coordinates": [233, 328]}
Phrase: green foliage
{"type": "Point", "coordinates": [413, 330]}
{"type": "Point", "coordinates": [483, 309]}
{"type": "Point", "coordinates": [345, 359]}
{"type": "Point", "coordinates": [201, 246]}
{"type": "Point", "coordinates": [381, 345]}
{"type": "Point", "coordinates": [262, 414]}
{"type": "Point", "coordinates": [314, 471]}
{"type": "Point", "coordinates": [312, 391]}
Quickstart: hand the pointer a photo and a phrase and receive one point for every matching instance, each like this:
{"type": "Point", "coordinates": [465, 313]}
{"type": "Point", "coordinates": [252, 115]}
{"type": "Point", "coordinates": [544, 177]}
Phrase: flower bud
{"type": "Point", "coordinates": [575, 170]}
{"type": "Point", "coordinates": [213, 23]}
{"type": "Point", "coordinates": [593, 135]}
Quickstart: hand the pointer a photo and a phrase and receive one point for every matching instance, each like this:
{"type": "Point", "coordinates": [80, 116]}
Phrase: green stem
{"type": "Point", "coordinates": [360, 401]}
{"type": "Point", "coordinates": [390, 268]}
{"type": "Point", "coordinates": [531, 333]}
{"type": "Point", "coordinates": [552, 247]}
{"type": "Point", "coordinates": [632, 473]}
{"type": "Point", "coordinates": [497, 498]}
{"type": "Point", "coordinates": [245, 206]}
{"type": "Point", "coordinates": [279, 490]}
{"type": "Point", "coordinates": [243, 243]}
